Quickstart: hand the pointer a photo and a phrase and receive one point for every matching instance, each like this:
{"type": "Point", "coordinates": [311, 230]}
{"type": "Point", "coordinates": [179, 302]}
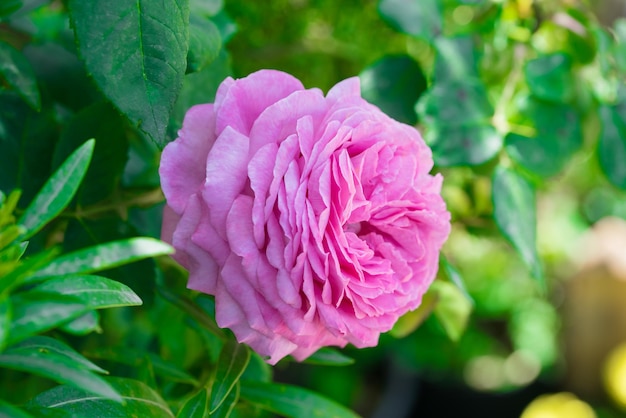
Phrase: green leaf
{"type": "Point", "coordinates": [421, 19]}
{"type": "Point", "coordinates": [83, 325]}
{"type": "Point", "coordinates": [58, 191]}
{"type": "Point", "coordinates": [9, 6]}
{"type": "Point", "coordinates": [329, 357]}
{"type": "Point", "coordinates": [612, 146]}
{"type": "Point", "coordinates": [43, 344]}
{"type": "Point", "coordinates": [515, 215]}
{"type": "Point", "coordinates": [196, 406]}
{"type": "Point", "coordinates": [292, 401]}
{"type": "Point", "coordinates": [556, 133]}
{"type": "Point", "coordinates": [17, 72]}
{"type": "Point", "coordinates": [24, 270]}
{"type": "Point", "coordinates": [394, 83]}
{"type": "Point", "coordinates": [9, 234]}
{"type": "Point", "coordinates": [137, 55]}
{"type": "Point", "coordinates": [550, 77]}
{"type": "Point", "coordinates": [6, 316]}
{"type": "Point", "coordinates": [455, 102]}
{"type": "Point", "coordinates": [463, 144]}
{"type": "Point", "coordinates": [94, 291]}
{"type": "Point", "coordinates": [205, 43]}
{"type": "Point", "coordinates": [455, 277]}
{"type": "Point", "coordinates": [11, 411]}
{"type": "Point", "coordinates": [411, 320]}
{"type": "Point", "coordinates": [225, 409]}
{"type": "Point", "coordinates": [231, 364]}
{"type": "Point", "coordinates": [103, 123]}
{"type": "Point", "coordinates": [60, 369]}
{"type": "Point", "coordinates": [35, 311]}
{"type": "Point", "coordinates": [139, 401]}
{"type": "Point", "coordinates": [453, 309]}
{"type": "Point", "coordinates": [104, 256]}
{"type": "Point", "coordinates": [457, 59]}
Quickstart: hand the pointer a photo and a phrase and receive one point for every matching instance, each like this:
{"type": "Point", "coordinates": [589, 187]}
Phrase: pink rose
{"type": "Point", "coordinates": [313, 220]}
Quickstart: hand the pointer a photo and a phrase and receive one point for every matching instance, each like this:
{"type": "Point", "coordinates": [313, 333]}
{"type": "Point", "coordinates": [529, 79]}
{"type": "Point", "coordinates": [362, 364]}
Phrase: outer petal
{"type": "Point", "coordinates": [183, 160]}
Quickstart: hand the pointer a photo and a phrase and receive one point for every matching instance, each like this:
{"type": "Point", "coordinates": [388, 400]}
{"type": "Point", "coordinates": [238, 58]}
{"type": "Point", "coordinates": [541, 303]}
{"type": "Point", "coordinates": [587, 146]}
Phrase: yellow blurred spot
{"type": "Point", "coordinates": [463, 15]}
{"type": "Point", "coordinates": [524, 8]}
{"type": "Point", "coordinates": [559, 405]}
{"type": "Point", "coordinates": [615, 375]}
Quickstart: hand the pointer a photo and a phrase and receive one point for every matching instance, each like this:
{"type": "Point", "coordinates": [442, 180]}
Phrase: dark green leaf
{"type": "Point", "coordinates": [94, 291]}
{"type": "Point", "coordinates": [225, 409]}
{"type": "Point", "coordinates": [205, 8]}
{"type": "Point", "coordinates": [550, 77]}
{"type": "Point", "coordinates": [455, 103]}
{"type": "Point", "coordinates": [43, 344]}
{"type": "Point", "coordinates": [612, 146]}
{"type": "Point", "coordinates": [17, 72]}
{"type": "Point", "coordinates": [411, 320]}
{"type": "Point", "coordinates": [137, 55]}
{"type": "Point", "coordinates": [105, 256]}
{"type": "Point", "coordinates": [205, 43]}
{"type": "Point", "coordinates": [421, 19]}
{"type": "Point", "coordinates": [139, 401]}
{"type": "Point", "coordinates": [515, 214]}
{"type": "Point", "coordinates": [196, 406]}
{"type": "Point", "coordinates": [11, 411]}
{"type": "Point", "coordinates": [6, 316]}
{"type": "Point", "coordinates": [292, 401]}
{"type": "Point", "coordinates": [457, 59]}
{"type": "Point", "coordinates": [463, 145]}
{"type": "Point", "coordinates": [57, 193]}
{"type": "Point", "coordinates": [394, 83]}
{"type": "Point", "coordinates": [9, 6]}
{"type": "Point", "coordinates": [329, 357]}
{"type": "Point", "coordinates": [557, 135]}
{"type": "Point", "coordinates": [103, 123]}
{"type": "Point", "coordinates": [231, 363]}
{"type": "Point", "coordinates": [35, 312]}
{"type": "Point", "coordinates": [60, 369]}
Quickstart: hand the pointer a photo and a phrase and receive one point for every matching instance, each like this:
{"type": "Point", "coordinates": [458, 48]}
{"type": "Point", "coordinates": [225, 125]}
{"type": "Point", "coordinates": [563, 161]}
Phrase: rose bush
{"type": "Point", "coordinates": [312, 219]}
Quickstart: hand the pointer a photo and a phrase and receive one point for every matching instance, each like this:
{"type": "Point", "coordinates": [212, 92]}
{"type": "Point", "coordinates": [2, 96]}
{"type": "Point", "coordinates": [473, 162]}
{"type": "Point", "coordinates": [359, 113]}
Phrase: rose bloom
{"type": "Point", "coordinates": [313, 220]}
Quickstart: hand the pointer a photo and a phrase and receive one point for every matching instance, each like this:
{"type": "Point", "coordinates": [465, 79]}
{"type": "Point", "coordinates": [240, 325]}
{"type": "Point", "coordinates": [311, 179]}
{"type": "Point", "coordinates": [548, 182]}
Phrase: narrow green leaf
{"type": "Point", "coordinates": [139, 401]}
{"type": "Point", "coordinates": [35, 312]}
{"type": "Point", "coordinates": [196, 406]}
{"type": "Point", "coordinates": [231, 364]}
{"type": "Point", "coordinates": [43, 344]}
{"type": "Point", "coordinates": [453, 309]}
{"type": "Point", "coordinates": [10, 234]}
{"type": "Point", "coordinates": [225, 409]}
{"type": "Point", "coordinates": [104, 256]}
{"type": "Point", "coordinates": [60, 369]}
{"type": "Point", "coordinates": [83, 325]}
{"type": "Point", "coordinates": [137, 55]}
{"type": "Point", "coordinates": [94, 291]}
{"type": "Point", "coordinates": [205, 43]}
{"type": "Point", "coordinates": [329, 357]}
{"type": "Point", "coordinates": [515, 214]}
{"type": "Point", "coordinates": [24, 270]}
{"type": "Point", "coordinates": [292, 401]}
{"type": "Point", "coordinates": [11, 411]}
{"type": "Point", "coordinates": [612, 146]}
{"type": "Point", "coordinates": [6, 316]}
{"type": "Point", "coordinates": [419, 19]}
{"type": "Point", "coordinates": [58, 191]}
{"type": "Point", "coordinates": [394, 83]}
{"type": "Point", "coordinates": [7, 207]}
{"type": "Point", "coordinates": [17, 72]}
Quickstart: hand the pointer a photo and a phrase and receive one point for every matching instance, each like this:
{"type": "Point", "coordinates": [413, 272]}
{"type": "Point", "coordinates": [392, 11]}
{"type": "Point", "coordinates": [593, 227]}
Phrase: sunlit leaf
{"type": "Point", "coordinates": [105, 256]}
{"type": "Point", "coordinates": [515, 214]}
{"type": "Point", "coordinates": [17, 72]}
{"type": "Point", "coordinates": [231, 363]}
{"type": "Point", "coordinates": [411, 320]}
{"type": "Point", "coordinates": [35, 311]}
{"type": "Point", "coordinates": [137, 55]}
{"type": "Point", "coordinates": [139, 401]}
{"type": "Point", "coordinates": [452, 309]}
{"type": "Point", "coordinates": [94, 291]}
{"type": "Point", "coordinates": [57, 193]}
{"type": "Point", "coordinates": [291, 401]}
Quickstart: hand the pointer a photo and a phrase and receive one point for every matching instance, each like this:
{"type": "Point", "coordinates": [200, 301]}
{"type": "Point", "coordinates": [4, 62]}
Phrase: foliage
{"type": "Point", "coordinates": [522, 102]}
